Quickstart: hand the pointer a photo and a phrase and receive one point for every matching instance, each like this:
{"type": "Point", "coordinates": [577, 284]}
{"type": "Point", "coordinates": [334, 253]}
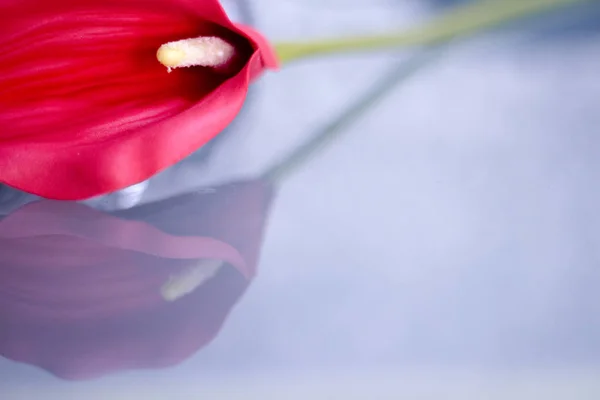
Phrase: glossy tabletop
{"type": "Point", "coordinates": [445, 244]}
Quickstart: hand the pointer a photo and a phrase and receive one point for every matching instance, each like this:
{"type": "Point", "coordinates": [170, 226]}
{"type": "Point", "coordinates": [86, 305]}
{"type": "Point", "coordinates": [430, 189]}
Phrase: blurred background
{"type": "Point", "coordinates": [446, 246]}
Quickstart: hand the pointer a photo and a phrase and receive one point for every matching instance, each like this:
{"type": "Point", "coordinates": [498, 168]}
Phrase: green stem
{"type": "Point", "coordinates": [334, 129]}
{"type": "Point", "coordinates": [460, 21]}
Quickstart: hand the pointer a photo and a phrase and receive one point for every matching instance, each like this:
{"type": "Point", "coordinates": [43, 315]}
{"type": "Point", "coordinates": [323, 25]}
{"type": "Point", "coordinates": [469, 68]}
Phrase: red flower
{"type": "Point", "coordinates": [81, 292]}
{"type": "Point", "coordinates": [86, 108]}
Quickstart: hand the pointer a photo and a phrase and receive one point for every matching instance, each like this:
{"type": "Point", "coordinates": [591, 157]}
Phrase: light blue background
{"type": "Point", "coordinates": [448, 246]}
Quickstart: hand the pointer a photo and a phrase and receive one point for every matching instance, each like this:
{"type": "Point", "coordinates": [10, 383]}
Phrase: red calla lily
{"type": "Point", "coordinates": [80, 290]}
{"type": "Point", "coordinates": [86, 108]}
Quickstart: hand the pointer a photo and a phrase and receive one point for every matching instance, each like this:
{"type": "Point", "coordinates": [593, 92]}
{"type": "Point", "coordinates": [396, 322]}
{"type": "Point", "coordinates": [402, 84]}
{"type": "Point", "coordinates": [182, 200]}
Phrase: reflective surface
{"type": "Point", "coordinates": [445, 246]}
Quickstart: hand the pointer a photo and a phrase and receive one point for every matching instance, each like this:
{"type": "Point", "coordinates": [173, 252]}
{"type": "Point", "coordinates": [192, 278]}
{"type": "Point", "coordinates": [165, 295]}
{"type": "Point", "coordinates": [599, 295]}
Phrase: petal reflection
{"type": "Point", "coordinates": [81, 291]}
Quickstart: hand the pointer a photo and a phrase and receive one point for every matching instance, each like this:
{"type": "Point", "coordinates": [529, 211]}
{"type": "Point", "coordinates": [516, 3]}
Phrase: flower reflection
{"type": "Point", "coordinates": [84, 293]}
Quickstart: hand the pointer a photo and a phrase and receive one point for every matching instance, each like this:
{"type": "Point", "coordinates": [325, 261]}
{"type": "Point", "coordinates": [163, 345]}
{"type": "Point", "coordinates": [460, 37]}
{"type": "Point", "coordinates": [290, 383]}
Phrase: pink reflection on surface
{"type": "Point", "coordinates": [80, 289]}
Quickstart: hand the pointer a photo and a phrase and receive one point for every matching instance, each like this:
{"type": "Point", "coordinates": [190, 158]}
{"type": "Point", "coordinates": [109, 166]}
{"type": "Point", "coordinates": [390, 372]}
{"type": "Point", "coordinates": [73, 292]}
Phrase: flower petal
{"type": "Point", "coordinates": [86, 109]}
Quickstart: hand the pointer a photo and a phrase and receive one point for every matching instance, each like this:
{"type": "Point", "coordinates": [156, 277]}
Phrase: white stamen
{"type": "Point", "coordinates": [202, 51]}
{"type": "Point", "coordinates": [188, 280]}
